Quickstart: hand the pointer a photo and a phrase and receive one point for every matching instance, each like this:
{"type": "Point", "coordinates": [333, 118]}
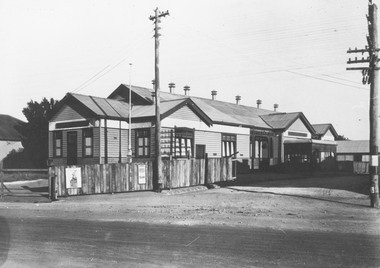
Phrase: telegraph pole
{"type": "Point", "coordinates": [158, 167]}
{"type": "Point", "coordinates": [371, 76]}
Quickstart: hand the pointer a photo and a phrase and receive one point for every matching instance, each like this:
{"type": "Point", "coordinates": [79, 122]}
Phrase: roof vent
{"type": "Point", "coordinates": [258, 102]}
{"type": "Point", "coordinates": [171, 87]}
{"type": "Point", "coordinates": [237, 98]}
{"type": "Point", "coordinates": [213, 94]}
{"type": "Point", "coordinates": [186, 89]}
{"type": "Point", "coordinates": [275, 107]}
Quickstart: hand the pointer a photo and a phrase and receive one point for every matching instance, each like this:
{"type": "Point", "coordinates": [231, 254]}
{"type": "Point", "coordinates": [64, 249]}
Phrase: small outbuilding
{"type": "Point", "coordinates": [353, 156]}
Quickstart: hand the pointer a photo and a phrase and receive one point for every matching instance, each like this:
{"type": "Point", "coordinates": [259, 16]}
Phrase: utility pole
{"type": "Point", "coordinates": [371, 76]}
{"type": "Point", "coordinates": [158, 167]}
{"type": "Point", "coordinates": [130, 118]}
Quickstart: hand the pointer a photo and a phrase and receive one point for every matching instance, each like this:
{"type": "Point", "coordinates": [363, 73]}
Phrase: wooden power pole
{"type": "Point", "coordinates": [371, 76]}
{"type": "Point", "coordinates": [158, 165]}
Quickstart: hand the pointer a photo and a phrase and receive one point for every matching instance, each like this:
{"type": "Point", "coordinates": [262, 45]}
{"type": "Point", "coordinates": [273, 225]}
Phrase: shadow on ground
{"type": "Point", "coordinates": [335, 181]}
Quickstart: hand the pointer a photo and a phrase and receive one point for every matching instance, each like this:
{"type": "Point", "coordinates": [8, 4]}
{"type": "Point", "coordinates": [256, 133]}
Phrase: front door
{"type": "Point", "coordinates": [72, 148]}
{"type": "Point", "coordinates": [200, 151]}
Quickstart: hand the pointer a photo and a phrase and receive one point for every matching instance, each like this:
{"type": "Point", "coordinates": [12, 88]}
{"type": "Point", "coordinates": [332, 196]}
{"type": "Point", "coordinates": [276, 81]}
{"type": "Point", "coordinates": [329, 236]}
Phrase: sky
{"type": "Point", "coordinates": [293, 53]}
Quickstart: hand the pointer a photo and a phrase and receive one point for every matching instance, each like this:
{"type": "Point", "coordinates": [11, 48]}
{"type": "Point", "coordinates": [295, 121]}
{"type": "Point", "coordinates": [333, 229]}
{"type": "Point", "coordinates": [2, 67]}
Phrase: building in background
{"type": "Point", "coordinates": [353, 156]}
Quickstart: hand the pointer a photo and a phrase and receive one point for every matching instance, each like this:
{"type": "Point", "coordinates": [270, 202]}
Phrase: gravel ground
{"type": "Point", "coordinates": [327, 203]}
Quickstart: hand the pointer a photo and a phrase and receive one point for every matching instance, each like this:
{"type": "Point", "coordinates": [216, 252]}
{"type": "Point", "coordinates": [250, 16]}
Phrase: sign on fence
{"type": "Point", "coordinates": [141, 174]}
{"type": "Point", "coordinates": [73, 178]}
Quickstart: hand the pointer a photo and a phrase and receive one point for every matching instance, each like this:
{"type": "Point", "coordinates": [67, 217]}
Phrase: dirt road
{"type": "Point", "coordinates": [308, 211]}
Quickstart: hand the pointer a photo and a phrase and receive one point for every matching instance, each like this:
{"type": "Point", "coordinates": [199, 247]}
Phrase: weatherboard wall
{"type": "Point", "coordinates": [66, 113]}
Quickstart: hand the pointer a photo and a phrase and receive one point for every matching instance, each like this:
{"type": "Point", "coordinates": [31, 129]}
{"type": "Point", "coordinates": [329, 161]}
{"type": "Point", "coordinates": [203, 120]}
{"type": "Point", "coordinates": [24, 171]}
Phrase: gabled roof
{"type": "Point", "coordinates": [218, 111]}
{"type": "Point", "coordinates": [282, 121]}
{"type": "Point", "coordinates": [321, 129]}
{"type": "Point", "coordinates": [232, 114]}
{"type": "Point", "coordinates": [9, 128]}
{"type": "Point", "coordinates": [140, 95]}
{"type": "Point", "coordinates": [169, 107]}
{"type": "Point", "coordinates": [352, 147]}
{"type": "Point", "coordinates": [91, 106]}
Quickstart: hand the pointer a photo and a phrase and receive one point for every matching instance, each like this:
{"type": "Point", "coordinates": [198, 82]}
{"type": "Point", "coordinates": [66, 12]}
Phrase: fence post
{"type": "Point", "coordinates": [2, 183]}
{"type": "Point", "coordinates": [170, 171]}
{"type": "Point", "coordinates": [53, 187]}
{"type": "Point", "coordinates": [206, 169]}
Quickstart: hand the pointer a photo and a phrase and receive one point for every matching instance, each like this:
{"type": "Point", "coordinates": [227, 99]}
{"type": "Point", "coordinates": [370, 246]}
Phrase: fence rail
{"type": "Point", "coordinates": [115, 178]}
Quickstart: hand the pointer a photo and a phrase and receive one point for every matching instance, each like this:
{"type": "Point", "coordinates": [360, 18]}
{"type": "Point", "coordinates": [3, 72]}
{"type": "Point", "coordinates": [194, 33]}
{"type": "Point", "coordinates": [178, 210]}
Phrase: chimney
{"type": "Point", "coordinates": [186, 89]}
{"type": "Point", "coordinates": [171, 87]}
{"type": "Point", "coordinates": [258, 102]}
{"type": "Point", "coordinates": [213, 94]}
{"type": "Point", "coordinates": [275, 106]}
{"type": "Point", "coordinates": [238, 98]}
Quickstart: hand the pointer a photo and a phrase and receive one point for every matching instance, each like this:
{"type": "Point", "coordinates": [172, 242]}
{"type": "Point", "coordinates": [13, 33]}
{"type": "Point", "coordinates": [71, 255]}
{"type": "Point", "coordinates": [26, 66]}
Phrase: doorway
{"type": "Point", "coordinates": [72, 148]}
{"type": "Point", "coordinates": [200, 151]}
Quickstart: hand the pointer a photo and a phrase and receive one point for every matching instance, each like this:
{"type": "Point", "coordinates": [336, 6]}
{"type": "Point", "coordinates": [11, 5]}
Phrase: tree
{"type": "Point", "coordinates": [342, 138]}
{"type": "Point", "coordinates": [35, 132]}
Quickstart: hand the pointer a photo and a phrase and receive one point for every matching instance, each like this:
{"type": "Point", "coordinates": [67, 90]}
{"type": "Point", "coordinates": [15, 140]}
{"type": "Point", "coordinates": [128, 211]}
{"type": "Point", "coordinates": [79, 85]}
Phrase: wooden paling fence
{"type": "Point", "coordinates": [190, 172]}
{"type": "Point", "coordinates": [115, 178]}
{"type": "Point", "coordinates": [100, 178]}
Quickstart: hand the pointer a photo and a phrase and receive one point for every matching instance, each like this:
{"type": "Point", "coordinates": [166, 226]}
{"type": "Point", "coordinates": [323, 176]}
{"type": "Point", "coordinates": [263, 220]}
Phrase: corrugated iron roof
{"type": "Point", "coordinates": [218, 111]}
{"type": "Point", "coordinates": [353, 147]}
{"type": "Point", "coordinates": [321, 129]}
{"type": "Point", "coordinates": [280, 120]}
{"type": "Point", "coordinates": [9, 128]}
{"type": "Point", "coordinates": [230, 113]}
{"type": "Point", "coordinates": [150, 110]}
{"type": "Point", "coordinates": [103, 107]}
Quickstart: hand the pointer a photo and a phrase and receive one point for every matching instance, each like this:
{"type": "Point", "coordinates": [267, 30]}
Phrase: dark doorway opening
{"type": "Point", "coordinates": [72, 148]}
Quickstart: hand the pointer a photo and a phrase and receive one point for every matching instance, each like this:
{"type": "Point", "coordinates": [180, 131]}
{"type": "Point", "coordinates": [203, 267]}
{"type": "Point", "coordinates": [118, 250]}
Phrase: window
{"type": "Point", "coordinates": [184, 139]}
{"type": "Point", "coordinates": [88, 142]}
{"type": "Point", "coordinates": [183, 147]}
{"type": "Point", "coordinates": [228, 144]}
{"type": "Point", "coordinates": [262, 148]}
{"type": "Point", "coordinates": [366, 158]}
{"type": "Point", "coordinates": [357, 157]}
{"type": "Point", "coordinates": [57, 143]}
{"type": "Point", "coordinates": [142, 142]}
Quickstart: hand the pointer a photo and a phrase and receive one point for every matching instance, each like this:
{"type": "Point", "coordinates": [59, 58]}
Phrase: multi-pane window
{"type": "Point", "coordinates": [184, 147]}
{"type": "Point", "coordinates": [88, 142]}
{"type": "Point", "coordinates": [228, 145]}
{"type": "Point", "coordinates": [184, 140]}
{"type": "Point", "coordinates": [57, 143]}
{"type": "Point", "coordinates": [142, 142]}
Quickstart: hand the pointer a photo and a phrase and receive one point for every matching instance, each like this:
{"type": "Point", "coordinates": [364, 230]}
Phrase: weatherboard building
{"type": "Point", "coordinates": [93, 130]}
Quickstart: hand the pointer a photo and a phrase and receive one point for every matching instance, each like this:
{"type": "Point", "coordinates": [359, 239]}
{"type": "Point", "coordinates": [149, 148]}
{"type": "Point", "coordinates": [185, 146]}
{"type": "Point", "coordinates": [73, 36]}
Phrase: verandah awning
{"type": "Point", "coordinates": [307, 146]}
